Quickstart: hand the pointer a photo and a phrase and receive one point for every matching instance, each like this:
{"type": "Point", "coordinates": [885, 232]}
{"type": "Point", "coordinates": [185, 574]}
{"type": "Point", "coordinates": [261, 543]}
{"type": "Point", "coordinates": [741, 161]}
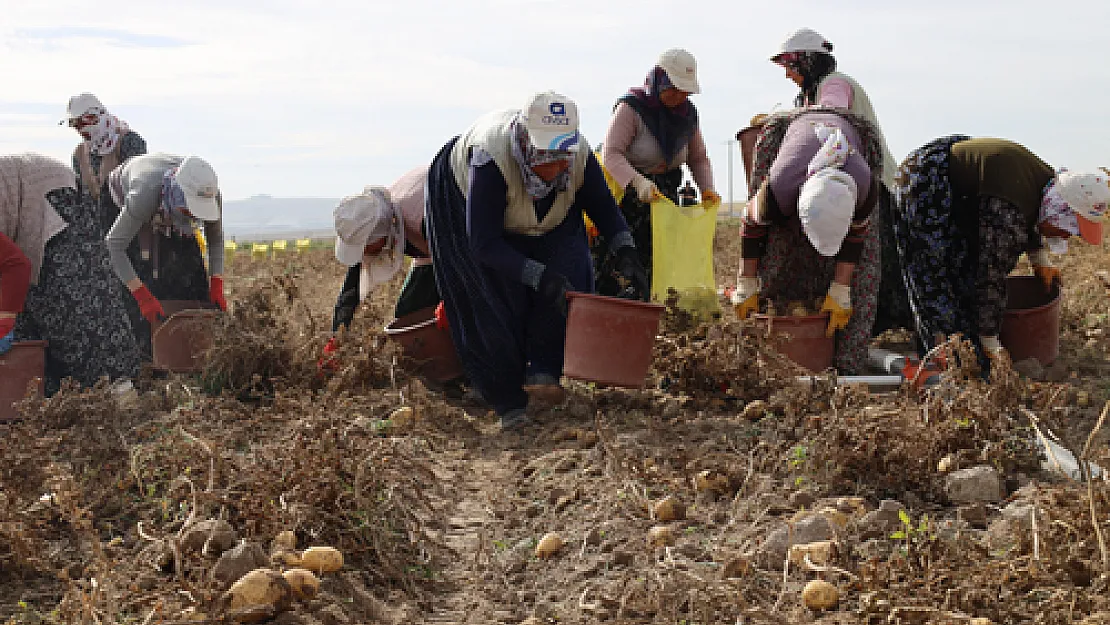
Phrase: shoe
{"type": "Point", "coordinates": [514, 419]}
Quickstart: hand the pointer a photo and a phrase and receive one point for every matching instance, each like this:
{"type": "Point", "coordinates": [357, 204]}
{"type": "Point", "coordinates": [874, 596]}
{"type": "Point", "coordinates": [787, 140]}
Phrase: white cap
{"type": "Point", "coordinates": [357, 219]}
{"type": "Point", "coordinates": [1086, 193]}
{"type": "Point", "coordinates": [804, 40]}
{"type": "Point", "coordinates": [681, 68]}
{"type": "Point", "coordinates": [552, 121]}
{"type": "Point", "coordinates": [79, 105]}
{"type": "Point", "coordinates": [198, 181]}
{"type": "Point", "coordinates": [826, 203]}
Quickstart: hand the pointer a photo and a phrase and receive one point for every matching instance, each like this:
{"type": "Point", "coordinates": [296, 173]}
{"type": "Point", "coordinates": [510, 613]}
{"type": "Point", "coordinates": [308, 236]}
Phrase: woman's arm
{"type": "Point", "coordinates": [698, 162]}
{"type": "Point", "coordinates": [599, 205]}
{"type": "Point", "coordinates": [131, 218]}
{"type": "Point", "coordinates": [618, 138]}
{"type": "Point", "coordinates": [485, 222]}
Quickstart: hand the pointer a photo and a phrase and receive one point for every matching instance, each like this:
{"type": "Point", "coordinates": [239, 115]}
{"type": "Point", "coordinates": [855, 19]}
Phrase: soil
{"type": "Point", "coordinates": [438, 513]}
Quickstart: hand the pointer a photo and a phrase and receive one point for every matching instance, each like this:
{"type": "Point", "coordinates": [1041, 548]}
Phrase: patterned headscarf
{"type": "Point", "coordinates": [104, 135]}
{"type": "Point", "coordinates": [672, 127]}
{"type": "Point", "coordinates": [173, 205]}
{"type": "Point", "coordinates": [813, 67]}
{"type": "Point", "coordinates": [1056, 212]}
{"type": "Point", "coordinates": [528, 157]}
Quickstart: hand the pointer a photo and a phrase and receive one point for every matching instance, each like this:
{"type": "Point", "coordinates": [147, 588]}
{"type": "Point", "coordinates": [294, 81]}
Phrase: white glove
{"type": "Point", "coordinates": [745, 288]}
{"type": "Point", "coordinates": [1040, 258]}
{"type": "Point", "coordinates": [841, 294]}
{"type": "Point", "coordinates": [991, 345]}
{"type": "Point", "coordinates": [645, 189]}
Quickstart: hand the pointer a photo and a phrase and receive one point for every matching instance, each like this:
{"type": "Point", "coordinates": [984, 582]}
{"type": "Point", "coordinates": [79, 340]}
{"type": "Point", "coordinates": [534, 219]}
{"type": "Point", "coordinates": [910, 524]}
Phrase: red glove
{"type": "Point", "coordinates": [216, 292]}
{"type": "Point", "coordinates": [441, 317]}
{"type": "Point", "coordinates": [329, 362]}
{"type": "Point", "coordinates": [149, 305]}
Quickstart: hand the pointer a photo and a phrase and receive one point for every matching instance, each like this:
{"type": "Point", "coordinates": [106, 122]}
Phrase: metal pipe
{"type": "Point", "coordinates": [886, 360]}
{"type": "Point", "coordinates": [870, 380]}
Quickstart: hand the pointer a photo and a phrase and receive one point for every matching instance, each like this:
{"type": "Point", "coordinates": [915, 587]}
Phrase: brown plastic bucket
{"type": "Point", "coordinates": [23, 364]}
{"type": "Point", "coordinates": [1031, 322]}
{"type": "Point", "coordinates": [805, 342]}
{"type": "Point", "coordinates": [427, 345]}
{"type": "Point", "coordinates": [180, 342]}
{"type": "Point", "coordinates": [610, 340]}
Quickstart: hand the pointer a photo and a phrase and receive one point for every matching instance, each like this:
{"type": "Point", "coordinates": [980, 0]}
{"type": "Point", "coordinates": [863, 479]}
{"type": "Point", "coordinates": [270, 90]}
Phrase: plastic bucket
{"type": "Point", "coordinates": [427, 345]}
{"type": "Point", "coordinates": [23, 364]}
{"type": "Point", "coordinates": [1031, 322]}
{"type": "Point", "coordinates": [610, 340]}
{"type": "Point", "coordinates": [805, 342]}
{"type": "Point", "coordinates": [179, 343]}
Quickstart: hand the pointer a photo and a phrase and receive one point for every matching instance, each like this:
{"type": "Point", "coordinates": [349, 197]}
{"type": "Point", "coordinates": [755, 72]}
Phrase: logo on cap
{"type": "Point", "coordinates": [557, 108]}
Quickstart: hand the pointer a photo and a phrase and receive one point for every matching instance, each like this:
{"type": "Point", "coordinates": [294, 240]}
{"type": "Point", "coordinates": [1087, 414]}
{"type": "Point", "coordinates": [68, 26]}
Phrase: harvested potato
{"type": "Point", "coordinates": [549, 545]}
{"type": "Point", "coordinates": [710, 481]}
{"type": "Point", "coordinates": [1082, 399]}
{"type": "Point", "coordinates": [260, 592]}
{"type": "Point", "coordinates": [285, 541]}
{"type": "Point", "coordinates": [660, 536]}
{"type": "Point", "coordinates": [303, 583]}
{"type": "Point", "coordinates": [321, 559]}
{"type": "Point", "coordinates": [946, 464]}
{"type": "Point", "coordinates": [820, 595]}
{"type": "Point", "coordinates": [403, 417]}
{"type": "Point", "coordinates": [668, 509]}
{"type": "Point", "coordinates": [755, 410]}
{"type": "Point", "coordinates": [820, 553]}
{"type": "Point", "coordinates": [797, 309]}
{"type": "Point", "coordinates": [210, 537]}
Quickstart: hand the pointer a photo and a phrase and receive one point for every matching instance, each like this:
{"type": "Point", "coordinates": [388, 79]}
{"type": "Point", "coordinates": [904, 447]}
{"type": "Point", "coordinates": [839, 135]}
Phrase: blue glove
{"type": "Point", "coordinates": [6, 341]}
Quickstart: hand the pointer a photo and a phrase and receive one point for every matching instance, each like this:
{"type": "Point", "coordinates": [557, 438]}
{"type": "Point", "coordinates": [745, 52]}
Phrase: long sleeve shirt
{"type": "Point", "coordinates": [485, 210]}
{"type": "Point", "coordinates": [629, 150]}
{"type": "Point", "coordinates": [141, 179]}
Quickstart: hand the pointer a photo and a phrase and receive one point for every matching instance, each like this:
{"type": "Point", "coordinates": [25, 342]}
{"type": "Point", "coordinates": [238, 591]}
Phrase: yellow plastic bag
{"type": "Point", "coordinates": [682, 249]}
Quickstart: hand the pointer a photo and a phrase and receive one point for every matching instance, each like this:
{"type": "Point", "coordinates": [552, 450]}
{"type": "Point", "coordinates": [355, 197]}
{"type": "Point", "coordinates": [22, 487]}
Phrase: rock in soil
{"type": "Point", "coordinates": [237, 562]}
{"type": "Point", "coordinates": [977, 484]}
{"type": "Point", "coordinates": [880, 523]}
{"type": "Point", "coordinates": [809, 529]}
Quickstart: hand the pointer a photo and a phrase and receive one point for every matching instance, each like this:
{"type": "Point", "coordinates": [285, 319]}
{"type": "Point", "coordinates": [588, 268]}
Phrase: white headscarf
{"type": "Point", "coordinates": [381, 267]}
{"type": "Point", "coordinates": [105, 134]}
{"type": "Point", "coordinates": [827, 199]}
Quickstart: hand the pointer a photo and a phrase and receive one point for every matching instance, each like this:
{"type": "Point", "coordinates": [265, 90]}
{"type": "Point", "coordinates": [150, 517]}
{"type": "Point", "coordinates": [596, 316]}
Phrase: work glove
{"type": "Point", "coordinates": [991, 346]}
{"type": "Point", "coordinates": [552, 289]}
{"type": "Point", "coordinates": [646, 190]}
{"type": "Point", "coordinates": [329, 362]}
{"type": "Point", "coordinates": [216, 292]}
{"type": "Point", "coordinates": [745, 298]}
{"type": "Point", "coordinates": [149, 305]}
{"type": "Point", "coordinates": [441, 318]}
{"type": "Point", "coordinates": [628, 265]}
{"type": "Point", "coordinates": [7, 334]}
{"type": "Point", "coordinates": [838, 303]}
{"type": "Point", "coordinates": [1044, 269]}
{"type": "Point", "coordinates": [710, 197]}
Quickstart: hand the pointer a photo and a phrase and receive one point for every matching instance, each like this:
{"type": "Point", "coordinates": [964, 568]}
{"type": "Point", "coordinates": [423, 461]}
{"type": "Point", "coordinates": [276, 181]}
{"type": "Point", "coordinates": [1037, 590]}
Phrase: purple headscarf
{"type": "Point", "coordinates": [672, 127]}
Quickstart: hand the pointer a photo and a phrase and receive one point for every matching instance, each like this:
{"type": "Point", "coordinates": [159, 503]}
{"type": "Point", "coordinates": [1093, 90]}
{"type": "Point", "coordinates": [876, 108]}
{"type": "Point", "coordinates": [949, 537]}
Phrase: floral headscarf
{"type": "Point", "coordinates": [1056, 212]}
{"type": "Point", "coordinates": [105, 133]}
{"type": "Point", "coordinates": [528, 157]}
{"type": "Point", "coordinates": [813, 67]}
{"type": "Point", "coordinates": [672, 127]}
{"type": "Point", "coordinates": [173, 204]}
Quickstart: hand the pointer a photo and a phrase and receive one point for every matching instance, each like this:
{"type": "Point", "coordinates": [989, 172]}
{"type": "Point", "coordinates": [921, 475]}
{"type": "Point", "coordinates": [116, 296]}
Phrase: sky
{"type": "Point", "coordinates": [318, 98]}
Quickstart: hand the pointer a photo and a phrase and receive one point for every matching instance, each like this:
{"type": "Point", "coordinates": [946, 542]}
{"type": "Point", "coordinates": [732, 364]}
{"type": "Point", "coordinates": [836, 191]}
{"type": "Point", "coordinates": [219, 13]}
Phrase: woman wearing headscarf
{"type": "Point", "coordinates": [153, 246]}
{"type": "Point", "coordinates": [653, 132]}
{"type": "Point", "coordinates": [807, 229]}
{"type": "Point", "coordinates": [107, 142]}
{"type": "Point", "coordinates": [505, 225]}
{"type": "Point", "coordinates": [809, 63]}
{"type": "Point", "coordinates": [55, 281]}
{"type": "Point", "coordinates": [967, 209]}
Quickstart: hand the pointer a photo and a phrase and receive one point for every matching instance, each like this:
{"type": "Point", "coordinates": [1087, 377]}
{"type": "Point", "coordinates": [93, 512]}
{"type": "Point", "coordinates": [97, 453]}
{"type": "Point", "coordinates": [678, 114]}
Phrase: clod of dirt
{"type": "Point", "coordinates": [1030, 368]}
{"type": "Point", "coordinates": [975, 484]}
{"type": "Point", "coordinates": [660, 536]}
{"type": "Point", "coordinates": [820, 553]}
{"type": "Point", "coordinates": [258, 595]}
{"type": "Point", "coordinates": [820, 595]}
{"type": "Point", "coordinates": [549, 545]}
{"type": "Point", "coordinates": [880, 523]}
{"type": "Point", "coordinates": [802, 499]}
{"type": "Point", "coordinates": [669, 509]}
{"type": "Point", "coordinates": [237, 562]}
{"type": "Point", "coordinates": [303, 583]}
{"type": "Point", "coordinates": [777, 545]}
{"type": "Point", "coordinates": [755, 410]}
{"type": "Point", "coordinates": [322, 559]}
{"type": "Point", "coordinates": [710, 481]}
{"type": "Point", "coordinates": [1082, 399]}
{"type": "Point", "coordinates": [403, 418]}
{"type": "Point", "coordinates": [834, 516]}
{"type": "Point", "coordinates": [740, 566]}
{"type": "Point", "coordinates": [210, 537]}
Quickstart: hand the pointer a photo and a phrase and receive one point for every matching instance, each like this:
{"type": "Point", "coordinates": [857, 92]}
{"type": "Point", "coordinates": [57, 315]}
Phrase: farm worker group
{"type": "Point", "coordinates": [494, 224]}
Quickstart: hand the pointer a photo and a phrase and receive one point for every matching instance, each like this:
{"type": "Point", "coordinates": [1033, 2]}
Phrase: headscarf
{"type": "Point", "coordinates": [173, 205]}
{"type": "Point", "coordinates": [1056, 212]}
{"type": "Point", "coordinates": [528, 157]}
{"type": "Point", "coordinates": [382, 266]}
{"type": "Point", "coordinates": [813, 67]}
{"type": "Point", "coordinates": [104, 135]}
{"type": "Point", "coordinates": [672, 127]}
{"type": "Point", "coordinates": [827, 199]}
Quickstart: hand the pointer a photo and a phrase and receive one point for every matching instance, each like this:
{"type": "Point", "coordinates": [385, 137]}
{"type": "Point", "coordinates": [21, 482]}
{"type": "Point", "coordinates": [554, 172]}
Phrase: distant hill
{"type": "Point", "coordinates": [265, 216]}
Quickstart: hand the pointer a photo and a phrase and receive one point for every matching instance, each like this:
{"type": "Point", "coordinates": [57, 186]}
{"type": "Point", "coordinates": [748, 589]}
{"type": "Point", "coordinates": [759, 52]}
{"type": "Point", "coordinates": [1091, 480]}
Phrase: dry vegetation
{"type": "Point", "coordinates": [675, 504]}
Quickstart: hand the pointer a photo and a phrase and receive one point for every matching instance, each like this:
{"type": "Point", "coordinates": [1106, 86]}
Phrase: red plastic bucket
{"type": "Point", "coordinates": [180, 342]}
{"type": "Point", "coordinates": [610, 340]}
{"type": "Point", "coordinates": [23, 364]}
{"type": "Point", "coordinates": [805, 342]}
{"type": "Point", "coordinates": [1031, 322]}
{"type": "Point", "coordinates": [427, 345]}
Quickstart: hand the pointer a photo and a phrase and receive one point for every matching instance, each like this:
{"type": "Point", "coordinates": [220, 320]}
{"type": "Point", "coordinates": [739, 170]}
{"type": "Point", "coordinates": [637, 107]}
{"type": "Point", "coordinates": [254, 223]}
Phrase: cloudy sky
{"type": "Point", "coordinates": [321, 97]}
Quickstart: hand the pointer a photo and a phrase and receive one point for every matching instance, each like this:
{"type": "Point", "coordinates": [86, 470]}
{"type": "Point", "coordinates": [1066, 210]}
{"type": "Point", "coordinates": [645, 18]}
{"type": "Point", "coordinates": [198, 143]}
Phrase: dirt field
{"type": "Point", "coordinates": [933, 508]}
